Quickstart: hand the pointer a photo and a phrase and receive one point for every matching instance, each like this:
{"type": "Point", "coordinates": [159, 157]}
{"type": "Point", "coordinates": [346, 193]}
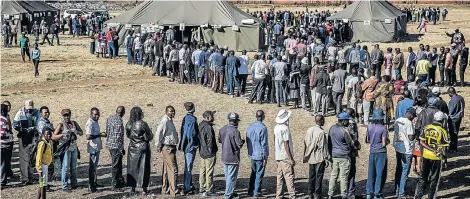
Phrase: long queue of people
{"type": "Point", "coordinates": [424, 134]}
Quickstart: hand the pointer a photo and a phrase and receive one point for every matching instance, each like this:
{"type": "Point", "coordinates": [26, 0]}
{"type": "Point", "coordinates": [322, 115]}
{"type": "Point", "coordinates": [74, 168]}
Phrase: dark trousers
{"type": "Point", "coordinates": [442, 74]}
{"type": "Point", "coordinates": [256, 177]}
{"type": "Point", "coordinates": [352, 177]}
{"type": "Point", "coordinates": [92, 167]}
{"type": "Point", "coordinates": [25, 168]}
{"type": "Point", "coordinates": [292, 59]}
{"type": "Point", "coordinates": [377, 71]}
{"type": "Point", "coordinates": [55, 36]}
{"type": "Point", "coordinates": [338, 100]}
{"type": "Point", "coordinates": [271, 95]}
{"type": "Point", "coordinates": [242, 81]}
{"type": "Point", "coordinates": [25, 51]}
{"type": "Point", "coordinates": [409, 73]}
{"type": "Point", "coordinates": [454, 127]}
{"type": "Point", "coordinates": [36, 67]}
{"type": "Point", "coordinates": [92, 47]}
{"type": "Point", "coordinates": [174, 69]}
{"type": "Point", "coordinates": [449, 79]}
{"type": "Point", "coordinates": [461, 74]}
{"type": "Point", "coordinates": [258, 90]}
{"type": "Point", "coordinates": [315, 173]}
{"type": "Point", "coordinates": [431, 169]}
{"type": "Point", "coordinates": [354, 65]}
{"type": "Point", "coordinates": [218, 85]}
{"type": "Point", "coordinates": [14, 37]}
{"type": "Point", "coordinates": [6, 163]}
{"type": "Point", "coordinates": [116, 159]}
{"type": "Point", "coordinates": [44, 38]}
{"type": "Point", "coordinates": [432, 75]}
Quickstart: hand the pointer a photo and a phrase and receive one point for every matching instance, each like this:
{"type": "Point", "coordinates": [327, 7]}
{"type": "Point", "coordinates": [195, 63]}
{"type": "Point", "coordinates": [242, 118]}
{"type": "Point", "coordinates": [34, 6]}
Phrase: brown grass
{"type": "Point", "coordinates": [71, 78]}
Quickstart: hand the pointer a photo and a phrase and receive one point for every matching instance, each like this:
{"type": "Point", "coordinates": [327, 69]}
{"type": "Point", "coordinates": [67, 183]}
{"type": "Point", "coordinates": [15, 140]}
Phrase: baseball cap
{"type": "Point", "coordinates": [284, 57]}
{"type": "Point", "coordinates": [233, 116]}
{"type": "Point", "coordinates": [343, 116]}
{"type": "Point", "coordinates": [29, 104]}
{"type": "Point", "coordinates": [436, 90]}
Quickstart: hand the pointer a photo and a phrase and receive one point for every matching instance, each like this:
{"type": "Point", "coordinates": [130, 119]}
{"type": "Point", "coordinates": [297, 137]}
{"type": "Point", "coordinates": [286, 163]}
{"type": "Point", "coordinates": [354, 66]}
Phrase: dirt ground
{"type": "Point", "coordinates": [72, 78]}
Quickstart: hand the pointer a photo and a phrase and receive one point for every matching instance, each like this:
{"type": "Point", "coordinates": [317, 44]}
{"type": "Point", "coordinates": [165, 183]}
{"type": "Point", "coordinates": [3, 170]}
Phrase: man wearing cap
{"type": "Point", "coordinates": [321, 84]}
{"type": "Point", "coordinates": [279, 71]}
{"type": "Point", "coordinates": [25, 122]}
{"type": "Point", "coordinates": [316, 155]}
{"type": "Point", "coordinates": [340, 145]}
{"type": "Point", "coordinates": [305, 94]}
{"type": "Point", "coordinates": [440, 104]}
{"type": "Point", "coordinates": [229, 137]}
{"type": "Point", "coordinates": [207, 150]}
{"type": "Point", "coordinates": [258, 152]}
{"type": "Point", "coordinates": [284, 154]}
{"type": "Point", "coordinates": [456, 113]}
{"type": "Point", "coordinates": [189, 143]}
{"type": "Point", "coordinates": [166, 142]}
{"type": "Point", "coordinates": [404, 144]}
{"type": "Point", "coordinates": [435, 141]}
{"type": "Point", "coordinates": [377, 136]}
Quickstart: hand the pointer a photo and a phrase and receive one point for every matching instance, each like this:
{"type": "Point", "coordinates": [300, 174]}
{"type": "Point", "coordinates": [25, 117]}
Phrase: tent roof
{"type": "Point", "coordinates": [192, 13]}
{"type": "Point", "coordinates": [17, 7]}
{"type": "Point", "coordinates": [368, 10]}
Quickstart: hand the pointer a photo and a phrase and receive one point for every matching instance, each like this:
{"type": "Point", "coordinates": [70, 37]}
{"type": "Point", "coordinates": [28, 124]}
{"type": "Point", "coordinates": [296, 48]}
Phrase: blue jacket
{"type": "Point", "coordinates": [232, 66]}
{"type": "Point", "coordinates": [190, 134]}
{"type": "Point", "coordinates": [402, 106]}
{"type": "Point", "coordinates": [456, 107]}
{"type": "Point", "coordinates": [257, 141]}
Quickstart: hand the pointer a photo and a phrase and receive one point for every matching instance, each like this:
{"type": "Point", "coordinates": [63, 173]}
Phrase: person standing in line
{"type": "Point", "coordinates": [316, 155]}
{"type": "Point", "coordinates": [207, 150]}
{"type": "Point", "coordinates": [129, 43]}
{"type": "Point", "coordinates": [94, 135]}
{"type": "Point", "coordinates": [404, 135]}
{"type": "Point", "coordinates": [377, 136]}
{"type": "Point", "coordinates": [159, 66]}
{"type": "Point", "coordinates": [115, 144]}
{"type": "Point", "coordinates": [243, 71]}
{"type": "Point", "coordinates": [189, 143]}
{"type": "Point", "coordinates": [166, 140]}
{"type": "Point", "coordinates": [441, 62]}
{"type": "Point", "coordinates": [44, 122]}
{"type": "Point", "coordinates": [35, 56]}
{"type": "Point", "coordinates": [260, 71]}
{"type": "Point", "coordinates": [339, 79]}
{"type": "Point", "coordinates": [422, 69]}
{"type": "Point", "coordinates": [43, 160]}
{"type": "Point", "coordinates": [410, 64]}
{"type": "Point", "coordinates": [368, 88]}
{"type": "Point", "coordinates": [258, 152]}
{"type": "Point", "coordinates": [279, 69]}
{"type": "Point", "coordinates": [340, 145]}
{"type": "Point", "coordinates": [139, 153]}
{"type": "Point", "coordinates": [388, 59]}
{"type": "Point", "coordinates": [463, 65]}
{"type": "Point", "coordinates": [321, 84]}
{"type": "Point", "coordinates": [434, 141]}
{"type": "Point", "coordinates": [354, 133]}
{"type": "Point", "coordinates": [233, 63]}
{"type": "Point", "coordinates": [25, 122]}
{"type": "Point", "coordinates": [284, 154]}
{"type": "Point", "coordinates": [229, 137]}
{"type": "Point", "coordinates": [137, 49]}
{"type": "Point", "coordinates": [456, 113]}
{"type": "Point", "coordinates": [448, 67]}
{"type": "Point", "coordinates": [66, 133]}
{"type": "Point", "coordinates": [24, 45]}
{"type": "Point", "coordinates": [398, 62]}
{"type": "Point", "coordinates": [195, 61]}
{"type": "Point", "coordinates": [6, 144]}
{"type": "Point", "coordinates": [305, 94]}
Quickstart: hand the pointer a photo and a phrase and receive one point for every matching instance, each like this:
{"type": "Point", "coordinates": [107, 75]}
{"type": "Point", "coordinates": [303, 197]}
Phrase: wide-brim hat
{"type": "Point", "coordinates": [378, 115]}
{"type": "Point", "coordinates": [282, 116]}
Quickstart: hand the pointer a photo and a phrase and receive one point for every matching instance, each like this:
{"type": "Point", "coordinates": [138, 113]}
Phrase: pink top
{"type": "Point", "coordinates": [291, 45]}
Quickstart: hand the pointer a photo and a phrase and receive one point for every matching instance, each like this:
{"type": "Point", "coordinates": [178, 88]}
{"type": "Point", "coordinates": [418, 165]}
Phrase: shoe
{"type": "Point", "coordinates": [258, 196]}
{"type": "Point", "coordinates": [330, 197]}
{"type": "Point", "coordinates": [25, 183]}
{"type": "Point", "coordinates": [368, 197]}
{"type": "Point", "coordinates": [75, 187]}
{"type": "Point", "coordinates": [67, 190]}
{"type": "Point", "coordinates": [92, 189]}
{"type": "Point", "coordinates": [98, 185]}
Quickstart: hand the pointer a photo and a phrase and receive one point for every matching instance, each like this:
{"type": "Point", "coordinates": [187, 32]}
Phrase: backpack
{"type": "Point", "coordinates": [33, 149]}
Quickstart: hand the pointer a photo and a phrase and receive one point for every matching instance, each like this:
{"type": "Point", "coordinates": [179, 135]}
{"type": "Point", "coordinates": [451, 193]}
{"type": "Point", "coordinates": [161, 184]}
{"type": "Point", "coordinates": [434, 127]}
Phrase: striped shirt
{"type": "Point", "coordinates": [5, 132]}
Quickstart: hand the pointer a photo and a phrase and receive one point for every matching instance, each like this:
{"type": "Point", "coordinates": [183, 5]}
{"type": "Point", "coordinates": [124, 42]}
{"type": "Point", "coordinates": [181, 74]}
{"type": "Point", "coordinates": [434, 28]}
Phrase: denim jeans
{"type": "Point", "coordinates": [377, 174]}
{"type": "Point", "coordinates": [402, 171]}
{"type": "Point", "coordinates": [256, 177]}
{"type": "Point", "coordinates": [231, 175]}
{"type": "Point", "coordinates": [138, 56]}
{"type": "Point", "coordinates": [281, 96]}
{"type": "Point", "coordinates": [55, 36]}
{"type": "Point", "coordinates": [305, 96]}
{"type": "Point", "coordinates": [69, 163]}
{"type": "Point", "coordinates": [130, 57]}
{"type": "Point", "coordinates": [111, 49]}
{"type": "Point", "coordinates": [231, 83]}
{"type": "Point", "coordinates": [188, 168]}
{"type": "Point", "coordinates": [92, 166]}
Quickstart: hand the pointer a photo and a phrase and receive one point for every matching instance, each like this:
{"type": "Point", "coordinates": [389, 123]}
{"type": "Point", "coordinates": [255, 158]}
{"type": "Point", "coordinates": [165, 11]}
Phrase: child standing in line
{"type": "Point", "coordinates": [35, 55]}
{"type": "Point", "coordinates": [43, 160]}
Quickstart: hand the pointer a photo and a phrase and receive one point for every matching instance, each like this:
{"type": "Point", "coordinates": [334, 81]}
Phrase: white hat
{"type": "Point", "coordinates": [304, 61]}
{"type": "Point", "coordinates": [439, 116]}
{"type": "Point", "coordinates": [436, 90]}
{"type": "Point", "coordinates": [284, 57]}
{"type": "Point", "coordinates": [283, 116]}
{"type": "Point", "coordinates": [28, 104]}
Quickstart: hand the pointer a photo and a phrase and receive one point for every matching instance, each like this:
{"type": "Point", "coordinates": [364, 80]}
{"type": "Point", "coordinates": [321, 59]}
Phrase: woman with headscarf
{"type": "Point", "coordinates": [383, 98]}
{"type": "Point", "coordinates": [138, 157]}
{"type": "Point", "coordinates": [294, 85]}
{"type": "Point", "coordinates": [66, 134]}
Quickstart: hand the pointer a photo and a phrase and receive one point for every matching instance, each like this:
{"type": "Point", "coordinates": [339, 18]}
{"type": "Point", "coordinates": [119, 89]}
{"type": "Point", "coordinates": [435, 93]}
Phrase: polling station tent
{"type": "Point", "coordinates": [29, 11]}
{"type": "Point", "coordinates": [373, 21]}
{"type": "Point", "coordinates": [221, 21]}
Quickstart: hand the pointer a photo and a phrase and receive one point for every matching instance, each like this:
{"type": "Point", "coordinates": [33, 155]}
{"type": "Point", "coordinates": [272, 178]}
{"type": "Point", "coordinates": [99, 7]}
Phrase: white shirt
{"type": "Point", "coordinates": [405, 128]}
{"type": "Point", "coordinates": [281, 134]}
{"type": "Point", "coordinates": [261, 69]}
{"type": "Point", "coordinates": [137, 44]}
{"type": "Point", "coordinates": [93, 128]}
{"type": "Point", "coordinates": [244, 61]}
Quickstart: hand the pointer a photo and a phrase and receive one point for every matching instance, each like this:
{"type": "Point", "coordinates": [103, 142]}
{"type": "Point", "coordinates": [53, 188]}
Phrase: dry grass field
{"type": "Point", "coordinates": [72, 78]}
